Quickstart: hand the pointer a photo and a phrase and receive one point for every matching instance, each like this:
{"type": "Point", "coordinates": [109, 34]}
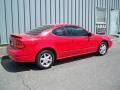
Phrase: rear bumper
{"type": "Point", "coordinates": [20, 55]}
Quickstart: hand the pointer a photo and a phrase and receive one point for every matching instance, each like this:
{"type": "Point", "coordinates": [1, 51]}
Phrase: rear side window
{"type": "Point", "coordinates": [38, 30]}
{"type": "Point", "coordinates": [59, 31]}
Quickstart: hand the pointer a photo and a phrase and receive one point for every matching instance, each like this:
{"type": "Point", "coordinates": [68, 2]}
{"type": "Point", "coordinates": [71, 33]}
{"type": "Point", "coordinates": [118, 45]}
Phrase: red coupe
{"type": "Point", "coordinates": [46, 44]}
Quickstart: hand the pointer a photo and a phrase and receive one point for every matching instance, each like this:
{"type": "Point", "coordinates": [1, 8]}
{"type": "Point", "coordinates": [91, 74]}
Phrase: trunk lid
{"type": "Point", "coordinates": [19, 41]}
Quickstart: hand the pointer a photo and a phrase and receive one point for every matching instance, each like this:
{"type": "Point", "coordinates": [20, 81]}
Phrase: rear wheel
{"type": "Point", "coordinates": [45, 59]}
{"type": "Point", "coordinates": [103, 47]}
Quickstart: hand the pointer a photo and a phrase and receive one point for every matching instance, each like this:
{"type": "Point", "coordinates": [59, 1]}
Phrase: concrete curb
{"type": "Point", "coordinates": [2, 51]}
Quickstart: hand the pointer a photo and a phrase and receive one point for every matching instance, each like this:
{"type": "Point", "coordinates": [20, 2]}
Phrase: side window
{"type": "Point", "coordinates": [75, 31]}
{"type": "Point", "coordinates": [59, 31]}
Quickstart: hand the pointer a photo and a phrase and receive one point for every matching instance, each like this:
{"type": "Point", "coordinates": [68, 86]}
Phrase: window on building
{"type": "Point", "coordinates": [101, 15]}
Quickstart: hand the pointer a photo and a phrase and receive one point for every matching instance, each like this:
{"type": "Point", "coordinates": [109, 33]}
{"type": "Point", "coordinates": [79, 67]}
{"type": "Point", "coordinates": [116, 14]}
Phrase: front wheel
{"type": "Point", "coordinates": [45, 59]}
{"type": "Point", "coordinates": [102, 50]}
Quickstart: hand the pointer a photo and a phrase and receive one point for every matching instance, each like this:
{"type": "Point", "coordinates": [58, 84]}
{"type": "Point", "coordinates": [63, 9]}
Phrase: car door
{"type": "Point", "coordinates": [81, 41]}
{"type": "Point", "coordinates": [63, 43]}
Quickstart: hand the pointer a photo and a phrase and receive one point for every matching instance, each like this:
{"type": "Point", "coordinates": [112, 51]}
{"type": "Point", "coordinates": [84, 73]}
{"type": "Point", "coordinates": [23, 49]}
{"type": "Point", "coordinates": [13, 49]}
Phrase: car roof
{"type": "Point", "coordinates": [59, 25]}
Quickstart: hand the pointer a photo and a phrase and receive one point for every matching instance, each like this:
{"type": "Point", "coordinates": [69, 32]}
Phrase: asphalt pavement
{"type": "Point", "coordinates": [87, 72]}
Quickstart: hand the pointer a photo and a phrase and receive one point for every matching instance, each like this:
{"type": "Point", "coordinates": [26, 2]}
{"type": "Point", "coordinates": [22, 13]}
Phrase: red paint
{"type": "Point", "coordinates": [65, 46]}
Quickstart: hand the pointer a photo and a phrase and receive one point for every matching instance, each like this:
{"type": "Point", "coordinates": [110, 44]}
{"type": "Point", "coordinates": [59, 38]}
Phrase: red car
{"type": "Point", "coordinates": [46, 44]}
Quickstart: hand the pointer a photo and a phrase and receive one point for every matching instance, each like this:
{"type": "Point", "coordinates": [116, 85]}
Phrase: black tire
{"type": "Point", "coordinates": [99, 48]}
{"type": "Point", "coordinates": [39, 61]}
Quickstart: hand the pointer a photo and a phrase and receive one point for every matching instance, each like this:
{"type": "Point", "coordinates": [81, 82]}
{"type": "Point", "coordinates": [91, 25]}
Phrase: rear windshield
{"type": "Point", "coordinates": [38, 30]}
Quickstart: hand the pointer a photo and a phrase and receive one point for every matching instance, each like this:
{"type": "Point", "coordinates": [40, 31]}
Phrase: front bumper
{"type": "Point", "coordinates": [110, 43]}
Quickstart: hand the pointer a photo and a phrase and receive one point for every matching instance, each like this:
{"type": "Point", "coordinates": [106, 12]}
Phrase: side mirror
{"type": "Point", "coordinates": [89, 34]}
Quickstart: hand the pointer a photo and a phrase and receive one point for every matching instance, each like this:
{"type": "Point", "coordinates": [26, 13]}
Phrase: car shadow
{"type": "Point", "coordinates": [14, 67]}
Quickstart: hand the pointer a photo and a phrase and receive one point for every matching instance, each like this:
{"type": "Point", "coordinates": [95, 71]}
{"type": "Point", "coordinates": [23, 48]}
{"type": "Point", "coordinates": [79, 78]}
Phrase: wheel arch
{"type": "Point", "coordinates": [106, 42]}
{"type": "Point", "coordinates": [47, 48]}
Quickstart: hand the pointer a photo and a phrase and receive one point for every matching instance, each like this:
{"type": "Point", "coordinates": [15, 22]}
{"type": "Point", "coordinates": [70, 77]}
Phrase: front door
{"type": "Point", "coordinates": [80, 39]}
{"type": "Point", "coordinates": [63, 44]}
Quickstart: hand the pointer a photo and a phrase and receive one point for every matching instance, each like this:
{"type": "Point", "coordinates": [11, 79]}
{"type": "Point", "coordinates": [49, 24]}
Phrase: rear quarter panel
{"type": "Point", "coordinates": [46, 42]}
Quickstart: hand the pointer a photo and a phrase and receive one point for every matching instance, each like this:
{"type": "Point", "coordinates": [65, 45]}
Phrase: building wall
{"type": "Point", "coordinates": [19, 16]}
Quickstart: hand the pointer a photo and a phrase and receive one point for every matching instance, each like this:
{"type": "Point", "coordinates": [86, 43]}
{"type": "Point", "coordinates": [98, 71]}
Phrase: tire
{"type": "Point", "coordinates": [102, 50]}
{"type": "Point", "coordinates": [45, 59]}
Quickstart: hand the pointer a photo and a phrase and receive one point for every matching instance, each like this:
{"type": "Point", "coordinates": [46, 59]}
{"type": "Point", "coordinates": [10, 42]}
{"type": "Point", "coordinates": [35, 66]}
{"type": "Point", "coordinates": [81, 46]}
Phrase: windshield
{"type": "Point", "coordinates": [38, 30]}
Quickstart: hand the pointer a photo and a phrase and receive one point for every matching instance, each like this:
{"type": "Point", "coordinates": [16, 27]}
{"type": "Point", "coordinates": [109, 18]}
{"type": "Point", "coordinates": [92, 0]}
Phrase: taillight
{"type": "Point", "coordinates": [19, 44]}
{"type": "Point", "coordinates": [15, 41]}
